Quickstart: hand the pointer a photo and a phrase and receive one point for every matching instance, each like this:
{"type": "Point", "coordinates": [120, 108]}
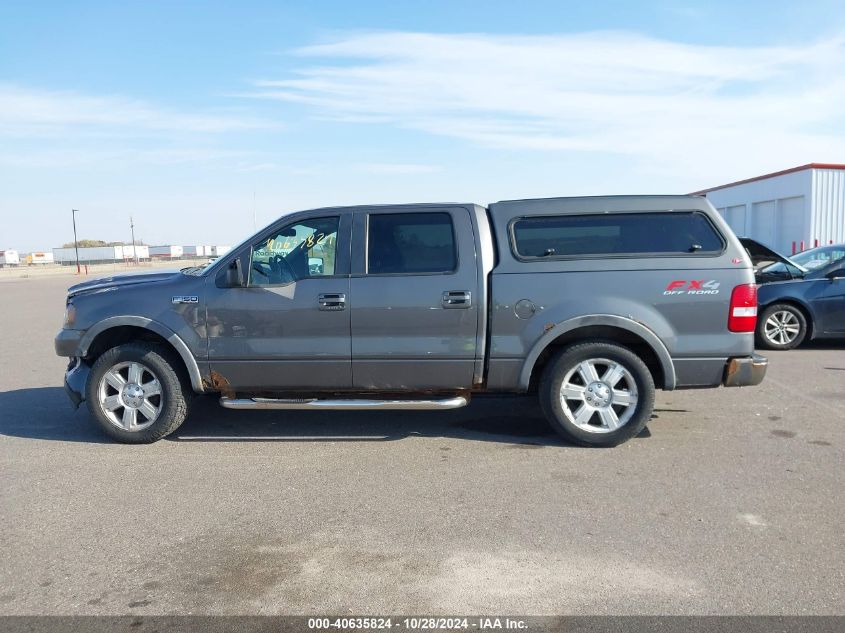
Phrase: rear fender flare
{"type": "Point", "coordinates": [612, 320]}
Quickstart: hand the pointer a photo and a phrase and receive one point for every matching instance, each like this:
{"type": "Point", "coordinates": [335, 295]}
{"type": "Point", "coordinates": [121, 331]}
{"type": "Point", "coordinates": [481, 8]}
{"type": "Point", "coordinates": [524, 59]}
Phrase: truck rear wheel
{"type": "Point", "coordinates": [137, 393]}
{"type": "Point", "coordinates": [597, 394]}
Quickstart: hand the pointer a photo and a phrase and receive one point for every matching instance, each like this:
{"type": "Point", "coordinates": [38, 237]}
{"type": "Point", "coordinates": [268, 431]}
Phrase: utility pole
{"type": "Point", "coordinates": [134, 248]}
{"type": "Point", "coordinates": [73, 213]}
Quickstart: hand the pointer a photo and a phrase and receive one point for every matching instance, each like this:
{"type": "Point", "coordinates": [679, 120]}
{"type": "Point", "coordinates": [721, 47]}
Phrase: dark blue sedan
{"type": "Point", "coordinates": [800, 297]}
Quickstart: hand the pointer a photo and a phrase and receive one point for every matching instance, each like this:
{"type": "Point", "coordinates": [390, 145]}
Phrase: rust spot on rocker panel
{"type": "Point", "coordinates": [218, 382]}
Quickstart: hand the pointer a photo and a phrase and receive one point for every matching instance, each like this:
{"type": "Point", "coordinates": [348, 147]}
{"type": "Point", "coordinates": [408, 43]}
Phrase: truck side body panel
{"type": "Point", "coordinates": [405, 335]}
{"type": "Point", "coordinates": [407, 332]}
{"type": "Point", "coordinates": [170, 305]}
{"type": "Point", "coordinates": [683, 300]}
{"type": "Point", "coordinates": [278, 336]}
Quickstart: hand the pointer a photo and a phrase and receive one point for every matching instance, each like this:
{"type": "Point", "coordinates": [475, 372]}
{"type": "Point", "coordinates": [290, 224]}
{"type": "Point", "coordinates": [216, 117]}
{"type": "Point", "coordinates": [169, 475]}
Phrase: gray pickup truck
{"type": "Point", "coordinates": [588, 302]}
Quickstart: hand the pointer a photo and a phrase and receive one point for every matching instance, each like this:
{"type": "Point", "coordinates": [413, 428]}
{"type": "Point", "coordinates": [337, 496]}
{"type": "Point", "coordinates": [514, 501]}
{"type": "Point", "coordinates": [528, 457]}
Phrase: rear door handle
{"type": "Point", "coordinates": [332, 301]}
{"type": "Point", "coordinates": [456, 299]}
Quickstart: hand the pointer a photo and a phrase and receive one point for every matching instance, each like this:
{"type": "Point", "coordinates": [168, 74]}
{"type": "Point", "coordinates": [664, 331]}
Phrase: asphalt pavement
{"type": "Point", "coordinates": [730, 503]}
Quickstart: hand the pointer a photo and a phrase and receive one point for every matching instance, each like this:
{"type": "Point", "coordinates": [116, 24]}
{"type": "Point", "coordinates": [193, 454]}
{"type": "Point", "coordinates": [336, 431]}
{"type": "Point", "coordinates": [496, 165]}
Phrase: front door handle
{"type": "Point", "coordinates": [332, 301]}
{"type": "Point", "coordinates": [456, 299]}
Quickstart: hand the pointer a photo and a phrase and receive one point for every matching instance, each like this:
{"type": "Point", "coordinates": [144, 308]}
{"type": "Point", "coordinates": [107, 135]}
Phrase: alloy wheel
{"type": "Point", "coordinates": [130, 396]}
{"type": "Point", "coordinates": [599, 395]}
{"type": "Point", "coordinates": [782, 327]}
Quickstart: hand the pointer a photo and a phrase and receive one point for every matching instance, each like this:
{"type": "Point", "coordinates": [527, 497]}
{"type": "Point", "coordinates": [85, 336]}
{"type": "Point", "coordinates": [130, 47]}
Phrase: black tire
{"type": "Point", "coordinates": [566, 363]}
{"type": "Point", "coordinates": [785, 314]}
{"type": "Point", "coordinates": [173, 401]}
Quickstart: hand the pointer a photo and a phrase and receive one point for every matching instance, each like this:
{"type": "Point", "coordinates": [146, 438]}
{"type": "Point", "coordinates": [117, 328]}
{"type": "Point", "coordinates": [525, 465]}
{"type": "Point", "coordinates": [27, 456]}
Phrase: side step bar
{"type": "Point", "coordinates": [314, 403]}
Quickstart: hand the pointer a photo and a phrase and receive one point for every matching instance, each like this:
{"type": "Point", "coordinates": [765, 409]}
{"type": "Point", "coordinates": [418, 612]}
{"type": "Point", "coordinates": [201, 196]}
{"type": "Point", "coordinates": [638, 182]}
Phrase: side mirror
{"type": "Point", "coordinates": [234, 275]}
{"type": "Point", "coordinates": [315, 265]}
{"type": "Point", "coordinates": [839, 273]}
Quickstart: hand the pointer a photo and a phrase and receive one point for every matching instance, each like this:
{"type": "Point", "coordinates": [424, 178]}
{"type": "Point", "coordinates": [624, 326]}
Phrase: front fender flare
{"type": "Point", "coordinates": [154, 326]}
{"type": "Point", "coordinates": [612, 320]}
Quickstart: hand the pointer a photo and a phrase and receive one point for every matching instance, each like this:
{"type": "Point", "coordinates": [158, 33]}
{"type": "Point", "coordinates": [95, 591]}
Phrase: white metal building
{"type": "Point", "coordinates": [101, 254]}
{"type": "Point", "coordinates": [166, 252]}
{"type": "Point", "coordinates": [9, 258]}
{"type": "Point", "coordinates": [39, 257]}
{"type": "Point", "coordinates": [803, 204]}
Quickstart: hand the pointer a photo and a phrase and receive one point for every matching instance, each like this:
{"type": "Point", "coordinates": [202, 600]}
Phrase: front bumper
{"type": "Point", "coordinates": [746, 371]}
{"type": "Point", "coordinates": [67, 342]}
{"type": "Point", "coordinates": [76, 379]}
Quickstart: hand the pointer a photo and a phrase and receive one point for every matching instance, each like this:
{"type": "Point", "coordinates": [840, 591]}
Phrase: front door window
{"type": "Point", "coordinates": [304, 249]}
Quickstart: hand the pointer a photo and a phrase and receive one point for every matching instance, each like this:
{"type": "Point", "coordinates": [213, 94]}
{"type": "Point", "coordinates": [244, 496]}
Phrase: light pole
{"type": "Point", "coordinates": [134, 248]}
{"type": "Point", "coordinates": [73, 212]}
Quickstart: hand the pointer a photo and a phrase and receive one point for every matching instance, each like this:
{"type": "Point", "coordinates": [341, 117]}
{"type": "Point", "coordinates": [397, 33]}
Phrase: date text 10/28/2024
{"type": "Point", "coordinates": [418, 623]}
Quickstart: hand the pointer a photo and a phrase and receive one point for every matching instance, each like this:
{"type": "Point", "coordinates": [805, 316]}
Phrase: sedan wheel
{"type": "Point", "coordinates": [782, 327]}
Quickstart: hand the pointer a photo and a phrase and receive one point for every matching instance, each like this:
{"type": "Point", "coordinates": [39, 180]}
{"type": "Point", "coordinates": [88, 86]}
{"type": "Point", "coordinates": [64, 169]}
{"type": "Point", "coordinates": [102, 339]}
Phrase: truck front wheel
{"type": "Point", "coordinates": [597, 394]}
{"type": "Point", "coordinates": [137, 393]}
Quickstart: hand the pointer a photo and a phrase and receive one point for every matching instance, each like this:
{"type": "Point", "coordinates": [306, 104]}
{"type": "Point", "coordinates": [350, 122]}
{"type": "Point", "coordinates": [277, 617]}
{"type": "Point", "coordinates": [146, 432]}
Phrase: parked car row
{"type": "Point", "coordinates": [800, 297]}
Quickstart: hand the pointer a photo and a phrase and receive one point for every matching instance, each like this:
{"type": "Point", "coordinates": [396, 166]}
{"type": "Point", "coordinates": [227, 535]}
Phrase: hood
{"type": "Point", "coordinates": [116, 281]}
{"type": "Point", "coordinates": [763, 256]}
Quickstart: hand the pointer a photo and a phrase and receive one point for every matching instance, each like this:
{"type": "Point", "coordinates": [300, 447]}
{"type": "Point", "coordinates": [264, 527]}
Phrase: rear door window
{"type": "Point", "coordinates": [615, 234]}
{"type": "Point", "coordinates": [410, 243]}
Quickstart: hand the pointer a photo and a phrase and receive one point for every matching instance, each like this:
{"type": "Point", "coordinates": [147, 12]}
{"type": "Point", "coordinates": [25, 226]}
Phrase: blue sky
{"type": "Point", "coordinates": [183, 113]}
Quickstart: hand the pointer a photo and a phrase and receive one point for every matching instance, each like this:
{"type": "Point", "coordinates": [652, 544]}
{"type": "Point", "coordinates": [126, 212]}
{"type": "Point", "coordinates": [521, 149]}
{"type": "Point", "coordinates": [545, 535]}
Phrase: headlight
{"type": "Point", "coordinates": [70, 315]}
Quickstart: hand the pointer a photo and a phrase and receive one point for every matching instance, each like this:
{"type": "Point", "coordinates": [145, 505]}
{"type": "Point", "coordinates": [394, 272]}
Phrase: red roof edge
{"type": "Point", "coordinates": [772, 175]}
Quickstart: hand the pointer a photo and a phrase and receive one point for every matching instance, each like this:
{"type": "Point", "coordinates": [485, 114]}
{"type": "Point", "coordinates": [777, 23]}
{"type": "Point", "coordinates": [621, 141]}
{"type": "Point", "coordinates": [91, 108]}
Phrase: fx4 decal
{"type": "Point", "coordinates": [692, 287]}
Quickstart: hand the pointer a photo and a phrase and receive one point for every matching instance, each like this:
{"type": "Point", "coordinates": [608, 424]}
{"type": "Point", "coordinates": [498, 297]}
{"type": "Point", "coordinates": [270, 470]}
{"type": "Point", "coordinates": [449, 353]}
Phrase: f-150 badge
{"type": "Point", "coordinates": [185, 299]}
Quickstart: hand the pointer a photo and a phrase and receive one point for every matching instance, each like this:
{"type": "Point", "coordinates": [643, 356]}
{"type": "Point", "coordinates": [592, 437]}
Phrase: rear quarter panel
{"type": "Point", "coordinates": [660, 293]}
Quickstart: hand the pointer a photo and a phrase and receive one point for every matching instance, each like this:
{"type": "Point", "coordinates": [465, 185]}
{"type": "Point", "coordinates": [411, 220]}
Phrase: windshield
{"type": "Point", "coordinates": [819, 257]}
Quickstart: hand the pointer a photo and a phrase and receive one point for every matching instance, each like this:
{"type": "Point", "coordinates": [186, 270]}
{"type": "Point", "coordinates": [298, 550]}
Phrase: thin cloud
{"type": "Point", "coordinates": [259, 167]}
{"type": "Point", "coordinates": [43, 129]}
{"type": "Point", "coordinates": [25, 112]}
{"type": "Point", "coordinates": [111, 158]}
{"type": "Point", "coordinates": [398, 168]}
{"type": "Point", "coordinates": [666, 105]}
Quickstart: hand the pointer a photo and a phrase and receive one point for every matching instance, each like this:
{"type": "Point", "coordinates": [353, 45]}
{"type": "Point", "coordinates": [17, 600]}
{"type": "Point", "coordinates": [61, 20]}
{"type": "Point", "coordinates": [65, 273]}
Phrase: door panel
{"type": "Point", "coordinates": [417, 330]}
{"type": "Point", "coordinates": [830, 305]}
{"type": "Point", "coordinates": [291, 329]}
